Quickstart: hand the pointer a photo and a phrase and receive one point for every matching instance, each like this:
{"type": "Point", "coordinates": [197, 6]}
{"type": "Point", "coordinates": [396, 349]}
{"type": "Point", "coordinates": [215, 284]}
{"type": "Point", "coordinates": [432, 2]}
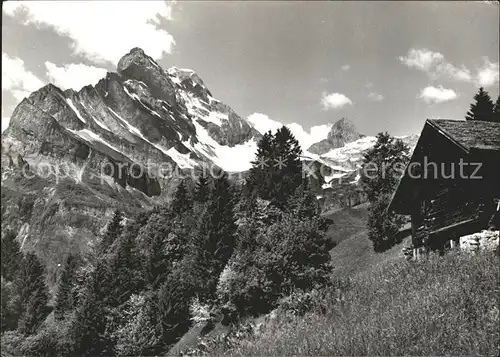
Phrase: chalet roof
{"type": "Point", "coordinates": [470, 134]}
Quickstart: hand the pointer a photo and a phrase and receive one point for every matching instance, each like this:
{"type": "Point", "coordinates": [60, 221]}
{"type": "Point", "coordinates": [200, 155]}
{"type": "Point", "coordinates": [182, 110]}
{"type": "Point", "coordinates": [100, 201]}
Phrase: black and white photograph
{"type": "Point", "coordinates": [250, 178]}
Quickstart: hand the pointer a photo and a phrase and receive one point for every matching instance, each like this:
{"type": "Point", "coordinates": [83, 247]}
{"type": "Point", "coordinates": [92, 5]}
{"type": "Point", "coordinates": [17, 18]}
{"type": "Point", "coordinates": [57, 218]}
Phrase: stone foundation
{"type": "Point", "coordinates": [484, 240]}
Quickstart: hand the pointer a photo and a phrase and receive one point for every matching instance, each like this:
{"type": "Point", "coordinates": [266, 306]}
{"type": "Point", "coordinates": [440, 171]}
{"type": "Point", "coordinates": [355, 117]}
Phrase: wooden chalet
{"type": "Point", "coordinates": [451, 187]}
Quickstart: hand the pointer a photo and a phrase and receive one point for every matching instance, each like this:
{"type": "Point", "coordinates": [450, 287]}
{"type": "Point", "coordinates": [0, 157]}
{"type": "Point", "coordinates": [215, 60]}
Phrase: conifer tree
{"type": "Point", "coordinates": [288, 167]}
{"type": "Point", "coordinates": [65, 297]}
{"type": "Point", "coordinates": [113, 230]}
{"type": "Point", "coordinates": [261, 173]}
{"type": "Point", "coordinates": [181, 201]}
{"type": "Point", "coordinates": [482, 109]}
{"type": "Point", "coordinates": [496, 111]}
{"type": "Point", "coordinates": [33, 294]}
{"type": "Point", "coordinates": [214, 240]}
{"type": "Point", "coordinates": [125, 267]}
{"type": "Point", "coordinates": [156, 264]}
{"type": "Point", "coordinates": [202, 189]}
{"type": "Point", "coordinates": [89, 325]}
{"type": "Point", "coordinates": [11, 256]}
{"type": "Point", "coordinates": [9, 308]}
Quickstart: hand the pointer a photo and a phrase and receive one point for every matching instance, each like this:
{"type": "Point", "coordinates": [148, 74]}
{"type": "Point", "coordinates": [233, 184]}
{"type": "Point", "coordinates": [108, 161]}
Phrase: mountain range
{"type": "Point", "coordinates": [69, 158]}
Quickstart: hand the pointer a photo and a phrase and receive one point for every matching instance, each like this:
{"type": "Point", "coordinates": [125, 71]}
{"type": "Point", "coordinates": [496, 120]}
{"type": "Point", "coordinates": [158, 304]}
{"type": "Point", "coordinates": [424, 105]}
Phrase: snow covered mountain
{"type": "Point", "coordinates": [142, 114]}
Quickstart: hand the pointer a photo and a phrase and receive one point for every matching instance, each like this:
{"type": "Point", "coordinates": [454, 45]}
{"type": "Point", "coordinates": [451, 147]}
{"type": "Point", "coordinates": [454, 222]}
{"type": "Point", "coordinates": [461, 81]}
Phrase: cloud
{"type": "Point", "coordinates": [368, 85]}
{"type": "Point", "coordinates": [376, 97]}
{"type": "Point", "coordinates": [74, 75]}
{"type": "Point", "coordinates": [436, 67]}
{"type": "Point", "coordinates": [488, 74]}
{"type": "Point", "coordinates": [346, 67]}
{"type": "Point", "coordinates": [334, 101]}
{"type": "Point", "coordinates": [439, 94]}
{"type": "Point", "coordinates": [5, 123]}
{"type": "Point", "coordinates": [307, 138]}
{"type": "Point", "coordinates": [17, 79]}
{"type": "Point", "coordinates": [101, 30]}
{"type": "Point", "coordinates": [262, 123]}
{"type": "Point", "coordinates": [422, 59]}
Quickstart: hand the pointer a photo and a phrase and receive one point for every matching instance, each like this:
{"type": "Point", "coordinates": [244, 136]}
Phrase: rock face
{"type": "Point", "coordinates": [138, 66]}
{"type": "Point", "coordinates": [341, 133]}
{"type": "Point", "coordinates": [69, 158]}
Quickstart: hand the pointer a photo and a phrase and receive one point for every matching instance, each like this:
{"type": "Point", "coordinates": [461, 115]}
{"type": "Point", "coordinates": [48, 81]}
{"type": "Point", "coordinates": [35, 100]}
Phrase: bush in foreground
{"type": "Point", "coordinates": [444, 306]}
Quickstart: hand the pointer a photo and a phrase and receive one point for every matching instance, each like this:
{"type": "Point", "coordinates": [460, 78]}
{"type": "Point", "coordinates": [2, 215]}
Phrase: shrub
{"type": "Point", "coordinates": [199, 311]}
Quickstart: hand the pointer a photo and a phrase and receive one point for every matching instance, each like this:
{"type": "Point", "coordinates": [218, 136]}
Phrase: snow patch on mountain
{"type": "Point", "coordinates": [88, 135]}
{"type": "Point", "coordinates": [183, 160]}
{"type": "Point", "coordinates": [351, 151]}
{"type": "Point", "coordinates": [232, 159]}
{"type": "Point", "coordinates": [72, 106]}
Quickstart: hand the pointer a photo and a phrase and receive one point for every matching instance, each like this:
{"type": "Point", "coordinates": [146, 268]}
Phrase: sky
{"type": "Point", "coordinates": [386, 66]}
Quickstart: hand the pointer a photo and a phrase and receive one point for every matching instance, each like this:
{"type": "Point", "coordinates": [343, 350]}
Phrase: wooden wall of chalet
{"type": "Point", "coordinates": [446, 205]}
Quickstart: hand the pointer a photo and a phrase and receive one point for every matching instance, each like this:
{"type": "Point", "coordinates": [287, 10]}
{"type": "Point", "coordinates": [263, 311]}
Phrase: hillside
{"type": "Point", "coordinates": [443, 306]}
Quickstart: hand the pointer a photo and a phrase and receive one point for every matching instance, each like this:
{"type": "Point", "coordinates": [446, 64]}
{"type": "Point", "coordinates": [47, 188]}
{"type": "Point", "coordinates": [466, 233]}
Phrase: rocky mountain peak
{"type": "Point", "coordinates": [136, 65]}
{"type": "Point", "coordinates": [341, 133]}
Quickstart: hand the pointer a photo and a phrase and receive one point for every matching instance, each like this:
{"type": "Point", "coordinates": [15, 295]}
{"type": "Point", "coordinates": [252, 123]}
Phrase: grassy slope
{"type": "Point", "coordinates": [354, 252]}
{"type": "Point", "coordinates": [445, 306]}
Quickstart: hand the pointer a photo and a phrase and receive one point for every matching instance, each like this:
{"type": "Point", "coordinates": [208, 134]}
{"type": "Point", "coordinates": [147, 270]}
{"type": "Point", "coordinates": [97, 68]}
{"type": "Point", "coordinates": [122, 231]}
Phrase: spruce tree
{"type": "Point", "coordinates": [261, 173]}
{"type": "Point", "coordinates": [181, 201]}
{"type": "Point", "coordinates": [11, 256]}
{"type": "Point", "coordinates": [214, 240]}
{"type": "Point", "coordinates": [482, 109]}
{"type": "Point", "coordinates": [33, 294]}
{"type": "Point", "coordinates": [496, 111]}
{"type": "Point", "coordinates": [155, 263]}
{"type": "Point", "coordinates": [113, 230]}
{"type": "Point", "coordinates": [125, 267]}
{"type": "Point", "coordinates": [65, 297]}
{"type": "Point", "coordinates": [89, 325]}
{"type": "Point", "coordinates": [202, 189]}
{"type": "Point", "coordinates": [288, 167]}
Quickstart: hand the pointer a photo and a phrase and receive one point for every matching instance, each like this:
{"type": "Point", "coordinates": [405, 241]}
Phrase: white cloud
{"type": "Point", "coordinates": [488, 75]}
{"type": "Point", "coordinates": [436, 67]}
{"type": "Point", "coordinates": [5, 123]}
{"type": "Point", "coordinates": [368, 85]}
{"type": "Point", "coordinates": [307, 138]}
{"type": "Point", "coordinates": [439, 94]}
{"type": "Point", "coordinates": [422, 59]}
{"type": "Point", "coordinates": [17, 79]}
{"type": "Point", "coordinates": [262, 123]}
{"type": "Point", "coordinates": [334, 101]}
{"type": "Point", "coordinates": [346, 67]}
{"type": "Point", "coordinates": [74, 75]}
{"type": "Point", "coordinates": [376, 97]}
{"type": "Point", "coordinates": [101, 30]}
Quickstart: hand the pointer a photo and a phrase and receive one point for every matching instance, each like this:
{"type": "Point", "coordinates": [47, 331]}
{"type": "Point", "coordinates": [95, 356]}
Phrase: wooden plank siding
{"type": "Point", "coordinates": [446, 201]}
